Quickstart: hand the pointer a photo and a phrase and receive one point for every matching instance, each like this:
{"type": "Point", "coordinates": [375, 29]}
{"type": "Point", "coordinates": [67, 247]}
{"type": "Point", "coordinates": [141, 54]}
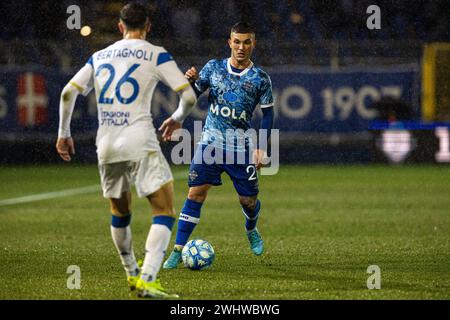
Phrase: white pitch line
{"type": "Point", "coordinates": [60, 194]}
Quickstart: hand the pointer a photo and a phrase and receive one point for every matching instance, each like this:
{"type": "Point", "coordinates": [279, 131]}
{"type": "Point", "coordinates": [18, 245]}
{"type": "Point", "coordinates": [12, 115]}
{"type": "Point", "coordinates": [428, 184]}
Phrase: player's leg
{"type": "Point", "coordinates": [160, 232]}
{"type": "Point", "coordinates": [154, 180]}
{"type": "Point", "coordinates": [121, 235]}
{"type": "Point", "coordinates": [115, 182]}
{"type": "Point", "coordinates": [190, 214]}
{"type": "Point", "coordinates": [188, 220]}
{"type": "Point", "coordinates": [245, 181]}
{"type": "Point", "coordinates": [251, 207]}
{"type": "Point", "coordinates": [157, 242]}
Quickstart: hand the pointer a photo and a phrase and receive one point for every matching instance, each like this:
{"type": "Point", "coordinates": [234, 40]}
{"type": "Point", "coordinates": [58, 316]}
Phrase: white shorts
{"type": "Point", "coordinates": [148, 175]}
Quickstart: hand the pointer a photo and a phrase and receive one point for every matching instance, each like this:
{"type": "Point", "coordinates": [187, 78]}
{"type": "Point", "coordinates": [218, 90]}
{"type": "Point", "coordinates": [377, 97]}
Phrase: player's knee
{"type": "Point", "coordinates": [248, 203]}
{"type": "Point", "coordinates": [172, 213]}
{"type": "Point", "coordinates": [168, 213]}
{"type": "Point", "coordinates": [197, 197]}
{"type": "Point", "coordinates": [163, 209]}
{"type": "Point", "coordinates": [121, 206]}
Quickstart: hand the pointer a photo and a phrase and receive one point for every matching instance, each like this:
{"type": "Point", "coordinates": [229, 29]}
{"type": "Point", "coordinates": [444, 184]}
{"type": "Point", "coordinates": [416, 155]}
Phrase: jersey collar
{"type": "Point", "coordinates": [242, 72]}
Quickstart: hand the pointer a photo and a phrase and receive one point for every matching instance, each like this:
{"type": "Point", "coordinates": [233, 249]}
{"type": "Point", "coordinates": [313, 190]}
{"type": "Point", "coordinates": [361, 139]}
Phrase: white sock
{"type": "Point", "coordinates": [155, 248]}
{"type": "Point", "coordinates": [122, 240]}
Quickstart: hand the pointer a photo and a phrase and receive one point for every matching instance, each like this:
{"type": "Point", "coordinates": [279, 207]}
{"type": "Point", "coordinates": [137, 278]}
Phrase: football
{"type": "Point", "coordinates": [198, 254]}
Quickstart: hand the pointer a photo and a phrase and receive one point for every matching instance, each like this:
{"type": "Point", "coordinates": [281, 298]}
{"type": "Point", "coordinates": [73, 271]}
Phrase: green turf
{"type": "Point", "coordinates": [323, 226]}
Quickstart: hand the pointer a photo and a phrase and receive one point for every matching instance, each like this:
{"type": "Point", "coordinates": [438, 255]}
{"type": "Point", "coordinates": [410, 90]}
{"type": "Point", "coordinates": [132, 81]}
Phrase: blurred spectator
{"type": "Point", "coordinates": [185, 20]}
{"type": "Point", "coordinates": [159, 13]}
{"type": "Point", "coordinates": [222, 15]}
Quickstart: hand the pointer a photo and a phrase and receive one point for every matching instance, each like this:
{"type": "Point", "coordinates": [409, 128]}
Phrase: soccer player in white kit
{"type": "Point", "coordinates": [124, 76]}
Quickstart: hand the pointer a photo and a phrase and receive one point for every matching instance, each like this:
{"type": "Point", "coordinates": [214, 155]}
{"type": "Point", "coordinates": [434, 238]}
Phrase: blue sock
{"type": "Point", "coordinates": [251, 216]}
{"type": "Point", "coordinates": [165, 221]}
{"type": "Point", "coordinates": [189, 217]}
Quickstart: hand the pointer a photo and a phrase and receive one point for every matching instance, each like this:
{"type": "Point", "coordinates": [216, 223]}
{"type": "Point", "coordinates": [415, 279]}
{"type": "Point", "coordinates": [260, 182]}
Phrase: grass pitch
{"type": "Point", "coordinates": [322, 226]}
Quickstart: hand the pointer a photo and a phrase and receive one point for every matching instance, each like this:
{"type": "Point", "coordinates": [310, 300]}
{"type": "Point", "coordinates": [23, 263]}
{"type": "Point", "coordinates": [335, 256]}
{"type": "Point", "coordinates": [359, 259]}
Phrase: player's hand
{"type": "Point", "coordinates": [65, 147]}
{"type": "Point", "coordinates": [168, 127]}
{"type": "Point", "coordinates": [191, 74]}
{"type": "Point", "coordinates": [259, 157]}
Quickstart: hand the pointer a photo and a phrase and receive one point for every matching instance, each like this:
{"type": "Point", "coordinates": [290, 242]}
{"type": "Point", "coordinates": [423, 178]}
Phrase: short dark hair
{"type": "Point", "coordinates": [134, 15]}
{"type": "Point", "coordinates": [243, 27]}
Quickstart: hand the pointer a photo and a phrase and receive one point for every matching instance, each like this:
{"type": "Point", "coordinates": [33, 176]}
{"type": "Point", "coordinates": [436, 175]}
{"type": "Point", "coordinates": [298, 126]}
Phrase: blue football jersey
{"type": "Point", "coordinates": [232, 100]}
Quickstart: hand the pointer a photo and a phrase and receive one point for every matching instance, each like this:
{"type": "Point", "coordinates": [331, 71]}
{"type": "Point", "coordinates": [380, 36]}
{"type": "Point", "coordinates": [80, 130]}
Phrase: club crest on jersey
{"type": "Point", "coordinates": [227, 112]}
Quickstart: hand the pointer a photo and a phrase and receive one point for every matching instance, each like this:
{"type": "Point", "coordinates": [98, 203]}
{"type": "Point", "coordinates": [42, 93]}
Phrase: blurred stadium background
{"type": "Point", "coordinates": [333, 78]}
{"type": "Point", "coordinates": [344, 95]}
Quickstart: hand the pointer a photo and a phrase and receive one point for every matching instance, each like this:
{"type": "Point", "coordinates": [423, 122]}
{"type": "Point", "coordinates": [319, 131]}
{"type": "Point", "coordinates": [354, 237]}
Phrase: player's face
{"type": "Point", "coordinates": [242, 45]}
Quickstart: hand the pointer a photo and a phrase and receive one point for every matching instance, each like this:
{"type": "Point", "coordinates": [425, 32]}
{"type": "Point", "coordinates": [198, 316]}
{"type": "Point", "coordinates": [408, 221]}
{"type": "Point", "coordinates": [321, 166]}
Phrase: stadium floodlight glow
{"type": "Point", "coordinates": [85, 31]}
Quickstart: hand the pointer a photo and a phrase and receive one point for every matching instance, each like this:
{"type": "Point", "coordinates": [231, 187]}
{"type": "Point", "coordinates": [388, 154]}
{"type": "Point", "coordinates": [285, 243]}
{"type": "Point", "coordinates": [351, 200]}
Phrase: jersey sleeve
{"type": "Point", "coordinates": [169, 73]}
{"type": "Point", "coordinates": [203, 82]}
{"type": "Point", "coordinates": [83, 81]}
{"type": "Point", "coordinates": [266, 98]}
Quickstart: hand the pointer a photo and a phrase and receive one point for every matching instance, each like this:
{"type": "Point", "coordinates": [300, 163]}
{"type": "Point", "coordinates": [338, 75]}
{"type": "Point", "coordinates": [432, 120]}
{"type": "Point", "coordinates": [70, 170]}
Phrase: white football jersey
{"type": "Point", "coordinates": [124, 76]}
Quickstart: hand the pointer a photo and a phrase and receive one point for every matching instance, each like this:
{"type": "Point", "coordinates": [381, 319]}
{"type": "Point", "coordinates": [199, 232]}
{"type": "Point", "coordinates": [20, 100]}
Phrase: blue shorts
{"type": "Point", "coordinates": [242, 173]}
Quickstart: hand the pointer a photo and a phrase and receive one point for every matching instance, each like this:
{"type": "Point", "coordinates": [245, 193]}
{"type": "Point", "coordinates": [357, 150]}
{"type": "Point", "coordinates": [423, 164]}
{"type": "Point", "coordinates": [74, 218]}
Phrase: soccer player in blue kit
{"type": "Point", "coordinates": [236, 86]}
